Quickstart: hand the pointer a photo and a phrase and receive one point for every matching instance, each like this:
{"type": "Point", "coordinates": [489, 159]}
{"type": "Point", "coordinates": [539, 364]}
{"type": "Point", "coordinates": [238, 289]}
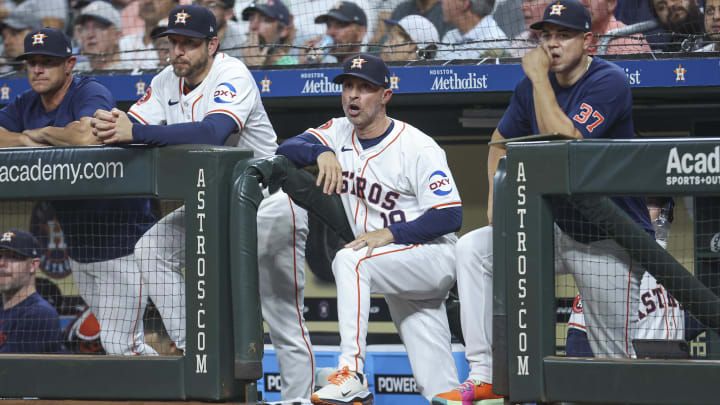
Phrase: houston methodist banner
{"type": "Point", "coordinates": [418, 79]}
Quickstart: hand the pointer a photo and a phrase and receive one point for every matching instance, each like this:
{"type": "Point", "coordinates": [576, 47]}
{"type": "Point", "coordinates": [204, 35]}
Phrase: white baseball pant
{"type": "Point", "coordinates": [282, 231]}
{"type": "Point", "coordinates": [113, 290]}
{"type": "Point", "coordinates": [415, 280]}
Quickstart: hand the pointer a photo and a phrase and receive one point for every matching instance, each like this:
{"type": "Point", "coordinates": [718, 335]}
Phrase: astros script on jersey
{"type": "Point", "coordinates": [395, 181]}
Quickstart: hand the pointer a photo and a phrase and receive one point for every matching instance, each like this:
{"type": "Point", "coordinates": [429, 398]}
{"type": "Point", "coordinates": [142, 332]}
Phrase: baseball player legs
{"type": "Point", "coordinates": [282, 231]}
{"type": "Point", "coordinates": [415, 280]}
{"type": "Point", "coordinates": [114, 293]}
{"type": "Point", "coordinates": [609, 284]}
{"type": "Point", "coordinates": [160, 254]}
{"type": "Point", "coordinates": [474, 266]}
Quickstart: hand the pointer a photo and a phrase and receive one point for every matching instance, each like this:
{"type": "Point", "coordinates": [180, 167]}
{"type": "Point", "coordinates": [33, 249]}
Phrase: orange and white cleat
{"type": "Point", "coordinates": [345, 388]}
{"type": "Point", "coordinates": [467, 393]}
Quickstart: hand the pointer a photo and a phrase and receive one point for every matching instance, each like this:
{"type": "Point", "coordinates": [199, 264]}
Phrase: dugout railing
{"type": "Point", "coordinates": [222, 360]}
{"type": "Point", "coordinates": [526, 367]}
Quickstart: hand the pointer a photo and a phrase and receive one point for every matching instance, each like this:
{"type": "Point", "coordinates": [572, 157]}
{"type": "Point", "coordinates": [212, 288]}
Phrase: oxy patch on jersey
{"type": "Point", "coordinates": [440, 183]}
{"type": "Point", "coordinates": [224, 93]}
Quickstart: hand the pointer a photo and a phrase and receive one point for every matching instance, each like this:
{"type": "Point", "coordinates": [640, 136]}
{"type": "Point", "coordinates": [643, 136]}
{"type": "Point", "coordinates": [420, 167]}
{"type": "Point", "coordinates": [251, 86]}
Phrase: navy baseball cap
{"type": "Point", "coordinates": [191, 21]}
{"type": "Point", "coordinates": [567, 13]}
{"type": "Point", "coordinates": [21, 242]}
{"type": "Point", "coordinates": [271, 8]}
{"type": "Point", "coordinates": [368, 67]}
{"type": "Point", "coordinates": [47, 41]}
{"type": "Point", "coordinates": [345, 11]}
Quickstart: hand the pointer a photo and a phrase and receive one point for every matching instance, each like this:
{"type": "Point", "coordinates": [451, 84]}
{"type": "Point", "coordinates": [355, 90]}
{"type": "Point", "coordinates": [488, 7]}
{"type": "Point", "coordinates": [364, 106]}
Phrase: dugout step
{"type": "Point", "coordinates": [386, 365]}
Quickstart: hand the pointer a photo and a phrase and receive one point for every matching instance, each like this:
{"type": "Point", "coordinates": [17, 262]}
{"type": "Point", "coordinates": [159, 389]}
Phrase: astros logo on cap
{"type": "Point", "coordinates": [38, 39]}
{"type": "Point", "coordinates": [337, 6]}
{"type": "Point", "coordinates": [556, 9]}
{"type": "Point", "coordinates": [181, 17]}
{"type": "Point", "coordinates": [357, 63]}
{"type": "Point", "coordinates": [7, 237]}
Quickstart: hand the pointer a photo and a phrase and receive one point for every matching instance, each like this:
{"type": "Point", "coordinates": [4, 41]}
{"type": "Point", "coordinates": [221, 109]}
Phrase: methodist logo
{"type": "Point", "coordinates": [448, 79]}
{"type": "Point", "coordinates": [440, 183]}
{"type": "Point", "coordinates": [318, 83]}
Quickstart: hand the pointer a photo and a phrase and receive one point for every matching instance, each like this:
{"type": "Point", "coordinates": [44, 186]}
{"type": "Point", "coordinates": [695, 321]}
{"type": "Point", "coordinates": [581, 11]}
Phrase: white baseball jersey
{"type": "Point", "coordinates": [228, 89]}
{"type": "Point", "coordinates": [395, 181]}
{"type": "Point", "coordinates": [659, 314]}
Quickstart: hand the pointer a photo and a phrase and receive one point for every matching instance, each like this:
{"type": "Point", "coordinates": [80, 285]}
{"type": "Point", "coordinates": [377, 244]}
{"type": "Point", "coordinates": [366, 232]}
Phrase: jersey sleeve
{"type": "Point", "coordinates": [327, 133]}
{"type": "Point", "coordinates": [236, 96]}
{"type": "Point", "coordinates": [433, 181]}
{"type": "Point", "coordinates": [515, 122]}
{"type": "Point", "coordinates": [91, 97]}
{"type": "Point", "coordinates": [149, 109]}
{"type": "Point", "coordinates": [606, 100]}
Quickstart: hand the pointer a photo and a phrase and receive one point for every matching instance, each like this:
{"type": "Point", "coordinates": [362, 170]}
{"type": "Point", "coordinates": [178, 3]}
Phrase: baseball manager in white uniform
{"type": "Point", "coordinates": [404, 207]}
{"type": "Point", "coordinates": [206, 97]}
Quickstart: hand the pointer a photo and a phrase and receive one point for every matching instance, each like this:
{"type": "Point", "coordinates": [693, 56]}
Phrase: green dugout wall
{"type": "Point", "coordinates": [223, 356]}
{"type": "Point", "coordinates": [524, 310]}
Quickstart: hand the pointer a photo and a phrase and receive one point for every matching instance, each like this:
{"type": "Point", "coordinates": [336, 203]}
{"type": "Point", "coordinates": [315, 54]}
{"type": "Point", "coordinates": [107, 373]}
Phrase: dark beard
{"type": "Point", "coordinates": [693, 24]}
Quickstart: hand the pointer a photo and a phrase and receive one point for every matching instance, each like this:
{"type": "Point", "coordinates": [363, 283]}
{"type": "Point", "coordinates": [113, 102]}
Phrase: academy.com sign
{"type": "Point", "coordinates": [700, 168]}
{"type": "Point", "coordinates": [61, 172]}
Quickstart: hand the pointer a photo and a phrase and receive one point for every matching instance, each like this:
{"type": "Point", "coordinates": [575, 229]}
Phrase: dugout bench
{"type": "Point", "coordinates": [223, 357]}
{"type": "Point", "coordinates": [527, 368]}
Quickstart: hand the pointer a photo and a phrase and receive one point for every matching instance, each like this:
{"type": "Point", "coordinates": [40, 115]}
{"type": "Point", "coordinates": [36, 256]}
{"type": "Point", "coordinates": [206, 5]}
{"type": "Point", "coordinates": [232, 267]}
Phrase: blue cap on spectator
{"type": "Point", "coordinates": [191, 21]}
{"type": "Point", "coordinates": [271, 8]}
{"type": "Point", "coordinates": [367, 67]}
{"type": "Point", "coordinates": [567, 13]}
{"type": "Point", "coordinates": [345, 11]}
{"type": "Point", "coordinates": [21, 242]}
{"type": "Point", "coordinates": [47, 41]}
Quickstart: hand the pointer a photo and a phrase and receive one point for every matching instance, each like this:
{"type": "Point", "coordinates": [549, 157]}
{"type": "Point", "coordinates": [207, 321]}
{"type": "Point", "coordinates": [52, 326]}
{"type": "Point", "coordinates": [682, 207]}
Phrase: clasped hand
{"type": "Point", "coordinates": [112, 126]}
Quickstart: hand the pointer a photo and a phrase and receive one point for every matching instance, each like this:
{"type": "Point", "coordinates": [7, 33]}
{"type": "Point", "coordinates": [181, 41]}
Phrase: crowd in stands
{"type": "Point", "coordinates": [121, 34]}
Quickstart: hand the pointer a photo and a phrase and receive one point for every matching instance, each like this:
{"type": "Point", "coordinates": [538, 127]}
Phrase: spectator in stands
{"type": "Point", "coordinates": [100, 32]}
{"type": "Point", "coordinates": [383, 10]}
{"type": "Point", "coordinates": [603, 21]}
{"type": "Point", "coordinates": [100, 234]}
{"type": "Point", "coordinates": [21, 21]}
{"type": "Point", "coordinates": [532, 11]}
{"type": "Point", "coordinates": [161, 43]}
{"type": "Point", "coordinates": [28, 323]}
{"type": "Point", "coordinates": [413, 37]}
{"type": "Point", "coordinates": [6, 7]}
{"type": "Point", "coordinates": [270, 33]}
{"type": "Point", "coordinates": [346, 23]}
{"type": "Point", "coordinates": [712, 26]}
{"type": "Point", "coordinates": [230, 34]}
{"type": "Point", "coordinates": [138, 49]}
{"type": "Point", "coordinates": [680, 19]}
{"type": "Point", "coordinates": [473, 23]}
{"type": "Point", "coordinates": [430, 9]}
{"type": "Point", "coordinates": [54, 13]}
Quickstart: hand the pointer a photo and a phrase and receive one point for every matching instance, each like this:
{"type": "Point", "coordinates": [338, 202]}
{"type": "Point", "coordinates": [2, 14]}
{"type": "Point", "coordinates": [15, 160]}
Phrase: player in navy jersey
{"type": "Point", "coordinates": [569, 92]}
{"type": "Point", "coordinates": [100, 234]}
{"type": "Point", "coordinates": [28, 323]}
